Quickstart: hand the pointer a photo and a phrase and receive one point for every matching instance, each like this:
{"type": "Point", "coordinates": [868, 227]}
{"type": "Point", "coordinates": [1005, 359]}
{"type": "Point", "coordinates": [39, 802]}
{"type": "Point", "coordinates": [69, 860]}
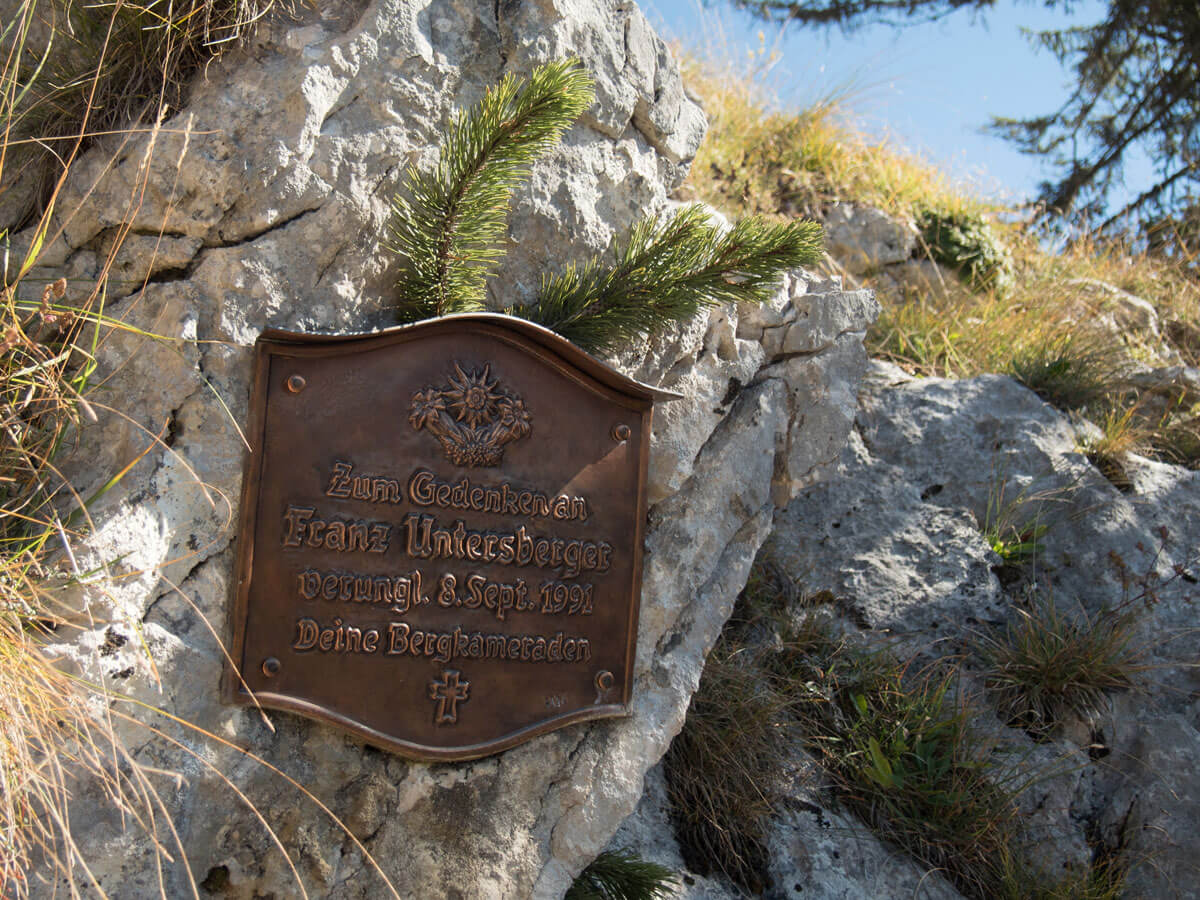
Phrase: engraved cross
{"type": "Point", "coordinates": [448, 692]}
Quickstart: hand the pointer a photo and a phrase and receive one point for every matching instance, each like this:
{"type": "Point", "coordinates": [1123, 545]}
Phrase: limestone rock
{"type": "Point", "coordinates": [271, 190]}
{"type": "Point", "coordinates": [1174, 384]}
{"type": "Point", "coordinates": [863, 238]}
{"type": "Point", "coordinates": [1128, 310]}
{"type": "Point", "coordinates": [897, 540]}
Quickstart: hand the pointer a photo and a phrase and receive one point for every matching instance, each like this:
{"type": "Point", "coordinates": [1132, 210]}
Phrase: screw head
{"type": "Point", "coordinates": [621, 433]}
{"type": "Point", "coordinates": [296, 383]}
{"type": "Point", "coordinates": [271, 667]}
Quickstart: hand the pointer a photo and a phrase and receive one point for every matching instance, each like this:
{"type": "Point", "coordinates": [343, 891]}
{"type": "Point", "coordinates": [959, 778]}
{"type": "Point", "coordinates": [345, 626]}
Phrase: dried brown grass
{"type": "Point", "coordinates": [96, 68]}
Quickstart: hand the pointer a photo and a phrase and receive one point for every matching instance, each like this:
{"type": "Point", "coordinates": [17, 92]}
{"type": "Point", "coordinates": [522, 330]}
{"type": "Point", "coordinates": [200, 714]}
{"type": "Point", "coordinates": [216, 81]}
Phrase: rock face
{"type": "Point", "coordinates": [813, 852]}
{"type": "Point", "coordinates": [263, 202]}
{"type": "Point", "coordinates": [892, 549]}
{"type": "Point", "coordinates": [863, 238]}
{"type": "Point", "coordinates": [897, 539]}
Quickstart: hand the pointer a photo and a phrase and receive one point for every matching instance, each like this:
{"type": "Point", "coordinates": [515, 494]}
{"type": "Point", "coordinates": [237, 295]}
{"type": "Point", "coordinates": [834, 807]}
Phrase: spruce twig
{"type": "Point", "coordinates": [622, 875]}
{"type": "Point", "coordinates": [666, 272]}
{"type": "Point", "coordinates": [447, 225]}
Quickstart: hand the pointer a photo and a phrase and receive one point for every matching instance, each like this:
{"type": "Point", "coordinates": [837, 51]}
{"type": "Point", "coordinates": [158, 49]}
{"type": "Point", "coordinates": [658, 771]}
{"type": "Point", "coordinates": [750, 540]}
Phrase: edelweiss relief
{"type": "Point", "coordinates": [471, 416]}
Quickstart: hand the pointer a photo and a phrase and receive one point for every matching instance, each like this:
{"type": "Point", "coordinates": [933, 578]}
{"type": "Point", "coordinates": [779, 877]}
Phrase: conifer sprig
{"type": "Point", "coordinates": [448, 224]}
{"type": "Point", "coordinates": [666, 272]}
{"type": "Point", "coordinates": [622, 875]}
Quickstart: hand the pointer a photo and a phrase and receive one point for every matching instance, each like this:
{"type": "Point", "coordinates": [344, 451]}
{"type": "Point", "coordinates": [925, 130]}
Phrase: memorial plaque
{"type": "Point", "coordinates": [441, 534]}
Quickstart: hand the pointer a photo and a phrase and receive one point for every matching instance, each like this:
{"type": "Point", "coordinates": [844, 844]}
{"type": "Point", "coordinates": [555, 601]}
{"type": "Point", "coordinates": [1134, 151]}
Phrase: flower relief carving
{"type": "Point", "coordinates": [472, 416]}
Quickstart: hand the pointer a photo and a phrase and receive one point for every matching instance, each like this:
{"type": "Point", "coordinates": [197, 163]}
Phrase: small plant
{"type": "Point", "coordinates": [966, 243]}
{"type": "Point", "coordinates": [903, 758]}
{"type": "Point", "coordinates": [622, 875]}
{"type": "Point", "coordinates": [1012, 525]}
{"type": "Point", "coordinates": [1047, 665]}
{"type": "Point", "coordinates": [447, 225]}
{"type": "Point", "coordinates": [1015, 545]}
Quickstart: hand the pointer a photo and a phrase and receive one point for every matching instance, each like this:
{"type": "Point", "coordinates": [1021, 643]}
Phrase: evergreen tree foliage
{"type": "Point", "coordinates": [1137, 88]}
{"type": "Point", "coordinates": [448, 224]}
{"type": "Point", "coordinates": [667, 270]}
{"type": "Point", "coordinates": [622, 875]}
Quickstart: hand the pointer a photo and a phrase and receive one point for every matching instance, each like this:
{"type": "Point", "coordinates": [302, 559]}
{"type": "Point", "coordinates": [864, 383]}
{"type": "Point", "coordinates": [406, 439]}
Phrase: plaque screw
{"type": "Point", "coordinates": [270, 667]}
{"type": "Point", "coordinates": [296, 383]}
{"type": "Point", "coordinates": [621, 433]}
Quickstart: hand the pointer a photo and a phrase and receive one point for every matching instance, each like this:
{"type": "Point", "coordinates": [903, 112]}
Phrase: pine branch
{"type": "Point", "coordinates": [668, 271]}
{"type": "Point", "coordinates": [622, 875]}
{"type": "Point", "coordinates": [447, 225]}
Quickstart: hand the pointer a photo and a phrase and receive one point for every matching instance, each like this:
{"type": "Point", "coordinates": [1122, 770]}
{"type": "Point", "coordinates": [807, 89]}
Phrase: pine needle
{"type": "Point", "coordinates": [448, 224]}
{"type": "Point", "coordinates": [667, 271]}
{"type": "Point", "coordinates": [622, 875]}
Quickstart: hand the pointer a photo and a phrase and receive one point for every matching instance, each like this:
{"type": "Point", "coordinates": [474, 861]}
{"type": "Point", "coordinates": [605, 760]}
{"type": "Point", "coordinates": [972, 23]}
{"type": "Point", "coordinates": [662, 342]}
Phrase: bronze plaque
{"type": "Point", "coordinates": [441, 534]}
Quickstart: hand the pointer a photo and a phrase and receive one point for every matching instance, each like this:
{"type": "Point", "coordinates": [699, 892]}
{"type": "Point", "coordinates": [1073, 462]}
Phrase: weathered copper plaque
{"type": "Point", "coordinates": [441, 534]}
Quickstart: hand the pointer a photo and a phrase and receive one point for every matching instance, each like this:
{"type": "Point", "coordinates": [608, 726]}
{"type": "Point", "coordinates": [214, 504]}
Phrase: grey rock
{"type": "Point", "coordinates": [1174, 384]}
{"type": "Point", "coordinates": [897, 539]}
{"type": "Point", "coordinates": [863, 238]}
{"type": "Point", "coordinates": [1128, 310]}
{"type": "Point", "coordinates": [818, 852]}
{"type": "Point", "coordinates": [270, 191]}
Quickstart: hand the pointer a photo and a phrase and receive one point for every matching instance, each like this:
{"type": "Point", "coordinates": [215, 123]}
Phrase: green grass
{"type": "Point", "coordinates": [1070, 368]}
{"type": "Point", "coordinates": [900, 750]}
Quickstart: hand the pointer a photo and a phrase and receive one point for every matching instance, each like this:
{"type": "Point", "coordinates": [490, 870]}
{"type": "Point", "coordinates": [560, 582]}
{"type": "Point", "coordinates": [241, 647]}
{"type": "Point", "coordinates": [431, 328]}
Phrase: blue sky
{"type": "Point", "coordinates": [930, 88]}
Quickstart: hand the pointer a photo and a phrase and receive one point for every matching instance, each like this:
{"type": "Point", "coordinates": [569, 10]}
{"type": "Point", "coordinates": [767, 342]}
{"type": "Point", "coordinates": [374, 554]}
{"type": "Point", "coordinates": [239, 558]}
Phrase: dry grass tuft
{"type": "Point", "coordinates": [74, 71]}
{"type": "Point", "coordinates": [48, 735]}
{"type": "Point", "coordinates": [758, 161]}
{"type": "Point", "coordinates": [67, 71]}
{"type": "Point", "coordinates": [1047, 666]}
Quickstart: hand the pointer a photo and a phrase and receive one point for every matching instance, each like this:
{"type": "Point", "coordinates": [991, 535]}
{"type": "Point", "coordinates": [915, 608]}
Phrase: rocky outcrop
{"type": "Point", "coordinates": [263, 202]}
{"type": "Point", "coordinates": [893, 550]}
{"type": "Point", "coordinates": [898, 541]}
{"type": "Point", "coordinates": [864, 239]}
